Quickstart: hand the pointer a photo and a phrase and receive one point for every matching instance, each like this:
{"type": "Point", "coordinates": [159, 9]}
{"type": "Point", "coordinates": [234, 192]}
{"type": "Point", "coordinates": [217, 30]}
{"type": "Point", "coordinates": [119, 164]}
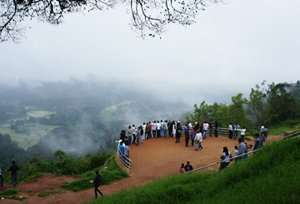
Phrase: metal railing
{"type": "Point", "coordinates": [216, 163]}
{"type": "Point", "coordinates": [124, 159]}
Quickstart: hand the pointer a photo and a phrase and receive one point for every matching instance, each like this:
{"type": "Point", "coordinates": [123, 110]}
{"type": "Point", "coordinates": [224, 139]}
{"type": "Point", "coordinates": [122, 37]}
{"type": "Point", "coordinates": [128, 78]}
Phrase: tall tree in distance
{"type": "Point", "coordinates": [282, 105]}
{"type": "Point", "coordinates": [258, 104]}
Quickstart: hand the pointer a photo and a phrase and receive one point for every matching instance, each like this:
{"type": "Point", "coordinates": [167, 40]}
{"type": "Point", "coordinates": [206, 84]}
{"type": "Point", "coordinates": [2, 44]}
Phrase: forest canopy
{"type": "Point", "coordinates": [267, 104]}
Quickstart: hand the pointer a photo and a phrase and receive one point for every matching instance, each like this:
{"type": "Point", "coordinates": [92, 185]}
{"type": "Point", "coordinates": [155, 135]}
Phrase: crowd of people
{"type": "Point", "coordinates": [194, 135]}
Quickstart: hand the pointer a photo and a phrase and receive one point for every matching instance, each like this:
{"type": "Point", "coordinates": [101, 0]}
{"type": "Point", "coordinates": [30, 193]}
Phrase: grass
{"type": "Point", "coordinates": [8, 192]}
{"type": "Point", "coordinates": [50, 192]}
{"type": "Point", "coordinates": [11, 194]}
{"type": "Point", "coordinates": [285, 126]}
{"type": "Point", "coordinates": [271, 176]}
{"type": "Point", "coordinates": [110, 172]}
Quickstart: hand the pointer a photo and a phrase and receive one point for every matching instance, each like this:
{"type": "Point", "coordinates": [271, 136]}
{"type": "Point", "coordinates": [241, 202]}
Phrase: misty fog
{"type": "Point", "coordinates": [75, 86]}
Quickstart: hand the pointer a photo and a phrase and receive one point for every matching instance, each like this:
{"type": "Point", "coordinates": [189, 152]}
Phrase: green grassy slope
{"type": "Point", "coordinates": [271, 176]}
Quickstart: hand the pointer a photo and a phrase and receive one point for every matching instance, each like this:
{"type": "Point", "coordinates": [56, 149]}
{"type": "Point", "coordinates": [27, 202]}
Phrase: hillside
{"type": "Point", "coordinates": [271, 176]}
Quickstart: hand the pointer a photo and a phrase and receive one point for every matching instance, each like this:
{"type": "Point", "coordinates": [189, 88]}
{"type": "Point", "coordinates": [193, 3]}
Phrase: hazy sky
{"type": "Point", "coordinates": [233, 46]}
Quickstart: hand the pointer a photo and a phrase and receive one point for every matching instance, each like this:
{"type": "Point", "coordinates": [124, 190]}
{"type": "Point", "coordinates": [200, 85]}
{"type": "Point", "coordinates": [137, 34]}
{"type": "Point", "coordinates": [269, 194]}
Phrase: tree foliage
{"type": "Point", "coordinates": [148, 16]}
{"type": "Point", "coordinates": [266, 105]}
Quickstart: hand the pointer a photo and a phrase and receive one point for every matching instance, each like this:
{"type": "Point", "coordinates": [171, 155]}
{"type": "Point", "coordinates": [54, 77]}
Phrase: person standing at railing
{"type": "Point", "coordinates": [173, 129]}
{"type": "Point", "coordinates": [153, 128]}
{"type": "Point", "coordinates": [198, 141]}
{"type": "Point", "coordinates": [139, 135]}
{"type": "Point", "coordinates": [230, 130]}
{"type": "Point", "coordinates": [129, 135]}
{"type": "Point", "coordinates": [170, 128]}
{"type": "Point", "coordinates": [144, 132]}
{"type": "Point", "coordinates": [186, 134]}
{"type": "Point", "coordinates": [216, 129]}
{"type": "Point", "coordinates": [243, 133]}
{"type": "Point", "coordinates": [121, 149]}
{"type": "Point", "coordinates": [134, 134]}
{"type": "Point", "coordinates": [192, 133]}
{"type": "Point", "coordinates": [242, 149]}
{"type": "Point", "coordinates": [148, 131]}
{"type": "Point", "coordinates": [123, 135]}
{"type": "Point", "coordinates": [178, 132]}
{"type": "Point", "coordinates": [205, 129]}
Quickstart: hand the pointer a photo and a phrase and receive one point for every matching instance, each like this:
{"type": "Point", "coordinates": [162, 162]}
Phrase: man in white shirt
{"type": "Point", "coordinates": [144, 132]}
{"type": "Point", "coordinates": [198, 141]}
{"type": "Point", "coordinates": [158, 126]}
{"type": "Point", "coordinates": [205, 129]}
{"type": "Point", "coordinates": [243, 133]}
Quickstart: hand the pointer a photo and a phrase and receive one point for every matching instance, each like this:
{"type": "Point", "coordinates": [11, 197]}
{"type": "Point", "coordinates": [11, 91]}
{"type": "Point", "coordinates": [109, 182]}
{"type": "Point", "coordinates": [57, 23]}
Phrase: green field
{"type": "Point", "coordinates": [39, 113]}
{"type": "Point", "coordinates": [32, 135]}
{"type": "Point", "coordinates": [270, 176]}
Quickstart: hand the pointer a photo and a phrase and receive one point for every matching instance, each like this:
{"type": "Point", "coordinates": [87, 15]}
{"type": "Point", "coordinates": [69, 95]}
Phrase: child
{"type": "Point", "coordinates": [182, 170]}
{"type": "Point", "coordinates": [236, 152]}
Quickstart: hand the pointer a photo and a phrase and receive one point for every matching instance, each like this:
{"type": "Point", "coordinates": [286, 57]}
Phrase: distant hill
{"type": "Point", "coordinates": [77, 117]}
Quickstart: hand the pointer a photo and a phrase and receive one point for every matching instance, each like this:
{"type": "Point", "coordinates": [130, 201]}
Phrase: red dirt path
{"type": "Point", "coordinates": [154, 159]}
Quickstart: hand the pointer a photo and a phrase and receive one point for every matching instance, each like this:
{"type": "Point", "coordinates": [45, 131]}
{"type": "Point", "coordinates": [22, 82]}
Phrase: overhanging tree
{"type": "Point", "coordinates": [148, 16]}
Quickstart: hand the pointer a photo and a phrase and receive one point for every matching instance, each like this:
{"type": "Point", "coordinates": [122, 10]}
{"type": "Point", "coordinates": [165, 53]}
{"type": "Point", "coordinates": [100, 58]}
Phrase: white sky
{"type": "Point", "coordinates": [232, 47]}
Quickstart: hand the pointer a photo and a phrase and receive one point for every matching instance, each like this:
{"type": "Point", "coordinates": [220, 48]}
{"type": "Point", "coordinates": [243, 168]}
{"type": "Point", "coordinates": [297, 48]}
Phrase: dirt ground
{"type": "Point", "coordinates": [154, 159]}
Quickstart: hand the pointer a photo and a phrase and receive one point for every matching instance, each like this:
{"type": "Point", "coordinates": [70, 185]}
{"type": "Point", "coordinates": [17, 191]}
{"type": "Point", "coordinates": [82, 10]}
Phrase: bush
{"type": "Point", "coordinates": [62, 164]}
{"type": "Point", "coordinates": [8, 192]}
{"type": "Point", "coordinates": [110, 172]}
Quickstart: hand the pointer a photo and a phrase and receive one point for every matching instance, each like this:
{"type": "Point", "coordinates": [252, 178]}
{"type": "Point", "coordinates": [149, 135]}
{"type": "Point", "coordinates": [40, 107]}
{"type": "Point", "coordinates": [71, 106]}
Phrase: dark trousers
{"type": "Point", "coordinates": [216, 133]}
{"type": "Point", "coordinates": [14, 180]}
{"type": "Point", "coordinates": [97, 191]}
{"type": "Point", "coordinates": [230, 134]}
{"type": "Point", "coordinates": [158, 133]}
{"type": "Point", "coordinates": [187, 139]}
{"type": "Point", "coordinates": [177, 138]}
{"type": "Point", "coordinates": [223, 165]}
{"type": "Point", "coordinates": [134, 139]}
{"type": "Point", "coordinates": [170, 132]}
{"type": "Point", "coordinates": [1, 181]}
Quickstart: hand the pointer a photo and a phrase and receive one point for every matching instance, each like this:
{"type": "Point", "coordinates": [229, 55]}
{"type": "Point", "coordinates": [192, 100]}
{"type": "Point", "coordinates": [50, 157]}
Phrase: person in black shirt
{"type": "Point", "coordinates": [97, 182]}
{"type": "Point", "coordinates": [14, 173]}
{"type": "Point", "coordinates": [178, 132]}
{"type": "Point", "coordinates": [188, 167]}
{"type": "Point", "coordinates": [216, 129]}
{"type": "Point", "coordinates": [123, 135]}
